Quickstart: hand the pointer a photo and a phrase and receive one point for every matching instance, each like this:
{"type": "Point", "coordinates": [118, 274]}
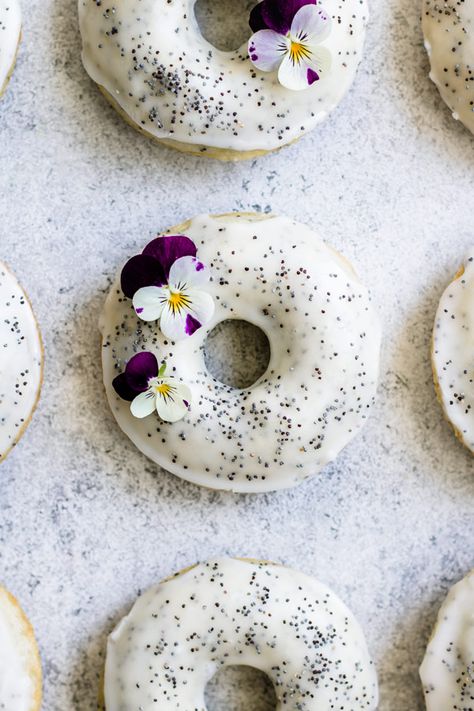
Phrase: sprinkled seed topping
{"type": "Point", "coordinates": [228, 612]}
{"type": "Point", "coordinates": [320, 383]}
{"type": "Point", "coordinates": [152, 60]}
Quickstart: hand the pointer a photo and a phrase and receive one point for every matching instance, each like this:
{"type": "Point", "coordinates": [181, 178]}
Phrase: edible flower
{"type": "Point", "coordinates": [145, 385]}
{"type": "Point", "coordinates": [166, 283]}
{"type": "Point", "coordinates": [288, 35]}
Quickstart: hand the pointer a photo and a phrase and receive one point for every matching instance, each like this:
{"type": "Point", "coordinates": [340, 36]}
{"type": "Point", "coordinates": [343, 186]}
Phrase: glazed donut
{"type": "Point", "coordinates": [448, 27]}
{"type": "Point", "coordinates": [239, 612]}
{"type": "Point", "coordinates": [151, 61]}
{"type": "Point", "coordinates": [453, 346]}
{"type": "Point", "coordinates": [21, 361]}
{"type": "Point", "coordinates": [324, 339]}
{"type": "Point", "coordinates": [20, 665]}
{"type": "Point", "coordinates": [447, 671]}
{"type": "Point", "coordinates": [10, 31]}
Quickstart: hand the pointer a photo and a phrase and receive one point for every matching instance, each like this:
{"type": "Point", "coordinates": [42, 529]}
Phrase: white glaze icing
{"type": "Point", "coordinates": [449, 37]}
{"type": "Point", "coordinates": [447, 671]}
{"type": "Point", "coordinates": [20, 361]}
{"type": "Point", "coordinates": [321, 380]}
{"type": "Point", "coordinates": [10, 28]}
{"type": "Point", "coordinates": [153, 60]}
{"type": "Point", "coordinates": [453, 352]}
{"type": "Point", "coordinates": [226, 612]}
{"type": "Point", "coordinates": [20, 679]}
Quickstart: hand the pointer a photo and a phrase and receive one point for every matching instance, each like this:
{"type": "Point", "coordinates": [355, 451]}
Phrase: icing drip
{"type": "Point", "coordinates": [226, 612]}
{"type": "Point", "coordinates": [453, 353]}
{"type": "Point", "coordinates": [449, 34]}
{"type": "Point", "coordinates": [447, 671]}
{"type": "Point", "coordinates": [152, 59]}
{"type": "Point", "coordinates": [321, 380]}
{"type": "Point", "coordinates": [10, 27]}
{"type": "Point", "coordinates": [20, 361]}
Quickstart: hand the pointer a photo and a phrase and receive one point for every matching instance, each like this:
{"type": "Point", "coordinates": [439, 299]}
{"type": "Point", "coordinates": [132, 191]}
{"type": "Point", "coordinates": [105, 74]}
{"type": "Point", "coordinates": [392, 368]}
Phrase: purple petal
{"type": "Point", "coordinates": [140, 369]}
{"type": "Point", "coordinates": [123, 389]}
{"type": "Point", "coordinates": [278, 15]}
{"type": "Point", "coordinates": [256, 21]}
{"type": "Point", "coordinates": [141, 271]}
{"type": "Point", "coordinates": [312, 76]}
{"type": "Point", "coordinates": [192, 325]}
{"type": "Point", "coordinates": [166, 250]}
{"type": "Point", "coordinates": [266, 50]}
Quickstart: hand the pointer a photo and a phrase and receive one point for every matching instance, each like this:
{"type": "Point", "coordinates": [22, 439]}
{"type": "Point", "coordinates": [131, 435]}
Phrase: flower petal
{"type": "Point", "coordinates": [141, 271]}
{"type": "Point", "coordinates": [279, 14]}
{"type": "Point", "coordinates": [300, 75]}
{"type": "Point", "coordinates": [175, 323]}
{"type": "Point", "coordinates": [149, 302]}
{"type": "Point", "coordinates": [166, 250]}
{"type": "Point", "coordinates": [311, 25]}
{"type": "Point", "coordinates": [140, 369]}
{"type": "Point", "coordinates": [123, 388]}
{"type": "Point", "coordinates": [144, 404]}
{"type": "Point", "coordinates": [256, 20]}
{"type": "Point", "coordinates": [174, 407]}
{"type": "Point", "coordinates": [187, 272]}
{"type": "Point", "coordinates": [266, 50]}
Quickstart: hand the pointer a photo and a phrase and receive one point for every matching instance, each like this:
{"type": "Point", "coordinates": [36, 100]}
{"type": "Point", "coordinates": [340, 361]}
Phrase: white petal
{"type": "Point", "coordinates": [149, 301]}
{"type": "Point", "coordinates": [143, 405]}
{"type": "Point", "coordinates": [311, 25]}
{"type": "Point", "coordinates": [266, 50]}
{"type": "Point", "coordinates": [175, 406]}
{"type": "Point", "coordinates": [188, 272]}
{"type": "Point", "coordinates": [301, 75]}
{"type": "Point", "coordinates": [178, 324]}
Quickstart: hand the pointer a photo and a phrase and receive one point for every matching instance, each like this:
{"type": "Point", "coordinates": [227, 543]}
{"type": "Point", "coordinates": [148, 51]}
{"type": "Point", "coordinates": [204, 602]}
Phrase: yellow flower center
{"type": "Point", "coordinates": [164, 389]}
{"type": "Point", "coordinates": [177, 301]}
{"type": "Point", "coordinates": [298, 52]}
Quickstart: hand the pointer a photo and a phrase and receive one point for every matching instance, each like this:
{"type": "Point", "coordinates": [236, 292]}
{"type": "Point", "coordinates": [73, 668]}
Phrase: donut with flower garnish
{"type": "Point", "coordinates": [21, 361]}
{"type": "Point", "coordinates": [452, 352]}
{"type": "Point", "coordinates": [447, 671]}
{"type": "Point", "coordinates": [10, 33]}
{"type": "Point", "coordinates": [20, 664]}
{"type": "Point", "coordinates": [239, 612]}
{"type": "Point", "coordinates": [151, 61]}
{"type": "Point", "coordinates": [449, 39]}
{"type": "Point", "coordinates": [324, 338]}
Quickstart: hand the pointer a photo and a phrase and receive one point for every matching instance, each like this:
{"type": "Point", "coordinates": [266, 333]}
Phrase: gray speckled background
{"type": "Point", "coordinates": [86, 522]}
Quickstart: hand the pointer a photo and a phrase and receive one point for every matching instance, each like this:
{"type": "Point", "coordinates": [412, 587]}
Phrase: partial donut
{"type": "Point", "coordinates": [447, 671]}
{"type": "Point", "coordinates": [236, 612]}
{"type": "Point", "coordinates": [21, 361]}
{"type": "Point", "coordinates": [448, 27]}
{"type": "Point", "coordinates": [20, 664]}
{"type": "Point", "coordinates": [452, 355]}
{"type": "Point", "coordinates": [10, 32]}
{"type": "Point", "coordinates": [153, 64]}
{"type": "Point", "coordinates": [324, 336]}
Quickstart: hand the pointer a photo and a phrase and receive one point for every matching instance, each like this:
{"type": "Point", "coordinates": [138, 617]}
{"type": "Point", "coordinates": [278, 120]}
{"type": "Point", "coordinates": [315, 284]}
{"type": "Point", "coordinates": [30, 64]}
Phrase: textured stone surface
{"type": "Point", "coordinates": [86, 522]}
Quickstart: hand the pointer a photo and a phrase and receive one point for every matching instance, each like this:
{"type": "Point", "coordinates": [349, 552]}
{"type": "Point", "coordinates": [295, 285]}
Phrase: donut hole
{"type": "Point", "coordinates": [235, 688]}
{"type": "Point", "coordinates": [237, 353]}
{"type": "Point", "coordinates": [225, 23]}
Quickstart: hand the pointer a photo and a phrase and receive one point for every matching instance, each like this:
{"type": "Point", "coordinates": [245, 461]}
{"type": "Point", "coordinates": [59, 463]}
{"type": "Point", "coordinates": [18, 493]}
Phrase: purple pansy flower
{"type": "Point", "coordinates": [288, 36]}
{"type": "Point", "coordinates": [165, 283]}
{"type": "Point", "coordinates": [147, 388]}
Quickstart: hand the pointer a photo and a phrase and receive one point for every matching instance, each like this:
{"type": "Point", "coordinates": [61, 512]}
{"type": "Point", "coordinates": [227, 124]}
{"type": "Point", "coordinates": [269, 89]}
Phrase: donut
{"type": "Point", "coordinates": [239, 612]}
{"type": "Point", "coordinates": [448, 27]}
{"type": "Point", "coordinates": [447, 671]}
{"type": "Point", "coordinates": [21, 361]}
{"type": "Point", "coordinates": [453, 345]}
{"type": "Point", "coordinates": [151, 61]}
{"type": "Point", "coordinates": [10, 32]}
{"type": "Point", "coordinates": [324, 338]}
{"type": "Point", "coordinates": [20, 665]}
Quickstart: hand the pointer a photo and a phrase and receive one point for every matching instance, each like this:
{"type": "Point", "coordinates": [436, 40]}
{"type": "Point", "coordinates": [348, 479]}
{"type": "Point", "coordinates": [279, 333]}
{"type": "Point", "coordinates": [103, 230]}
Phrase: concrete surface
{"type": "Point", "coordinates": [86, 522]}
